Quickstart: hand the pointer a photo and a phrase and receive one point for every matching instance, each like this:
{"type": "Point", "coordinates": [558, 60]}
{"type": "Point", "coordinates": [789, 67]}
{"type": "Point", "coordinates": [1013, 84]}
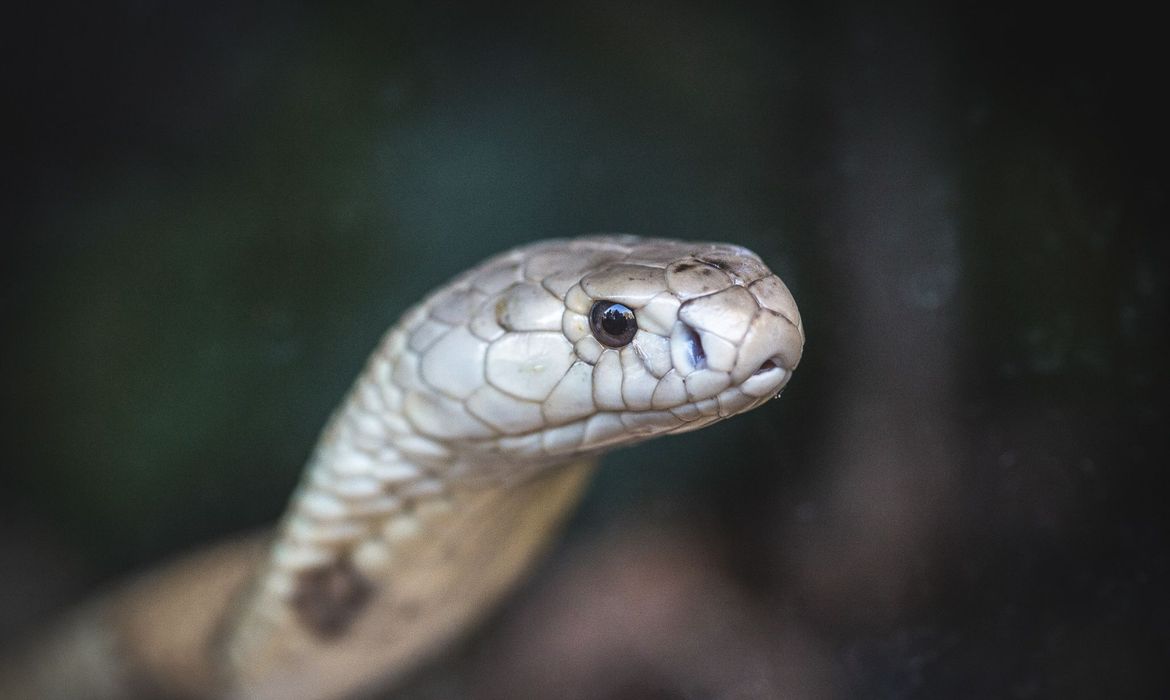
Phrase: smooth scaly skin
{"type": "Point", "coordinates": [460, 447]}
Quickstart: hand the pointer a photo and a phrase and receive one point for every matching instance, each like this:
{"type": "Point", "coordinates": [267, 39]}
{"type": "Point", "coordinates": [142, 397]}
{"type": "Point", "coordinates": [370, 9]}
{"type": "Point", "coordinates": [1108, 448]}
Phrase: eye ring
{"type": "Point", "coordinates": [613, 324]}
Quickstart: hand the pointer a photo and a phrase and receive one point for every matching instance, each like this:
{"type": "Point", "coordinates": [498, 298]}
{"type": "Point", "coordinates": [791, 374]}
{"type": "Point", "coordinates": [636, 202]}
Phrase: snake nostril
{"type": "Point", "coordinates": [769, 364]}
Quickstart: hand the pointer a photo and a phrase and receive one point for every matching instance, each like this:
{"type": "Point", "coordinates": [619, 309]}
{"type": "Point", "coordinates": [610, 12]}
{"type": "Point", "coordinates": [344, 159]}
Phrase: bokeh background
{"type": "Point", "coordinates": [215, 210]}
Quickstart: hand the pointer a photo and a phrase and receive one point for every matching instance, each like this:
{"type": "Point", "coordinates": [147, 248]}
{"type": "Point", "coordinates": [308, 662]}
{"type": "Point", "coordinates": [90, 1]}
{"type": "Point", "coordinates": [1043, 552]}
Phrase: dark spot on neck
{"type": "Point", "coordinates": [329, 598]}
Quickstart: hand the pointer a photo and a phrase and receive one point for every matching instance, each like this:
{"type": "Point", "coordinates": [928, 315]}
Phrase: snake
{"type": "Point", "coordinates": [447, 468]}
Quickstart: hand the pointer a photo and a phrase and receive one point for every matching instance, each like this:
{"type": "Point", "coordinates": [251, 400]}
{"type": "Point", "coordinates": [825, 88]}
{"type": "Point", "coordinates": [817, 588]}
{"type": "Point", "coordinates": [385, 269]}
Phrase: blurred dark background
{"type": "Point", "coordinates": [214, 210]}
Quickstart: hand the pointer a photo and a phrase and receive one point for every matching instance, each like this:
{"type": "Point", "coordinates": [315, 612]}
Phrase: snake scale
{"type": "Point", "coordinates": [463, 443]}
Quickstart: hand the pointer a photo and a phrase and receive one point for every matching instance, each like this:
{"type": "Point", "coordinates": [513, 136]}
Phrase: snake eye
{"type": "Point", "coordinates": [613, 324]}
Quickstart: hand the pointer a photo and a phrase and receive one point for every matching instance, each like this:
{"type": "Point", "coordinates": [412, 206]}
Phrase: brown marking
{"type": "Point", "coordinates": [683, 267]}
{"type": "Point", "coordinates": [328, 599]}
{"type": "Point", "coordinates": [502, 314]}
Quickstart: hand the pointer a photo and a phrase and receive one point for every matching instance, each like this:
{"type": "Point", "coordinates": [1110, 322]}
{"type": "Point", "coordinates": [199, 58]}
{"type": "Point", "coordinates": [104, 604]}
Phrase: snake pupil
{"type": "Point", "coordinates": [613, 324]}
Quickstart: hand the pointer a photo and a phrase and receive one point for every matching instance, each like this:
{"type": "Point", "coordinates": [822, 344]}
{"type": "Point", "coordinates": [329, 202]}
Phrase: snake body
{"type": "Point", "coordinates": [465, 440]}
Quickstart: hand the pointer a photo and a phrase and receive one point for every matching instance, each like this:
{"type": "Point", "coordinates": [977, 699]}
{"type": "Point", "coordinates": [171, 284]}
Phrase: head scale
{"type": "Point", "coordinates": [567, 347]}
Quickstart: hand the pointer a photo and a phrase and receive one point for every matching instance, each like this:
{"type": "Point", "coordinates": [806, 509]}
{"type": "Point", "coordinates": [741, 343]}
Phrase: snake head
{"type": "Point", "coordinates": [569, 347]}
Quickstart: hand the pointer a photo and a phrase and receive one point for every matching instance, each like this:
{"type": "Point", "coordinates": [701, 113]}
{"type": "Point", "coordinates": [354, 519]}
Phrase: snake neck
{"type": "Point", "coordinates": [388, 548]}
{"type": "Point", "coordinates": [357, 586]}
